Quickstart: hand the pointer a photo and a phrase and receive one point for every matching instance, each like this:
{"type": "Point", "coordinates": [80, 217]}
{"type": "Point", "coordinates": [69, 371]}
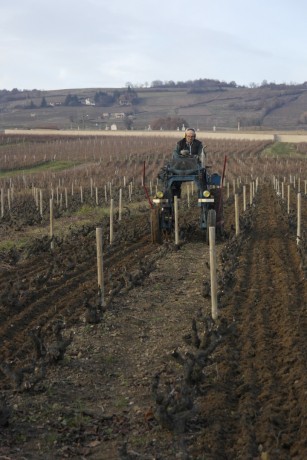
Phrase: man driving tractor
{"type": "Point", "coordinates": [189, 146]}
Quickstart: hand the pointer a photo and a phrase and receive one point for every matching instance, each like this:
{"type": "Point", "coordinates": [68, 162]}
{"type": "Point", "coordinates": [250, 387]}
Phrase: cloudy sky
{"type": "Point", "coordinates": [58, 44]}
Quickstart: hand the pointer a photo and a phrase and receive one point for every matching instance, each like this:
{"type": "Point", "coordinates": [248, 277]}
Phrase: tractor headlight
{"type": "Point", "coordinates": [159, 194]}
{"type": "Point", "coordinates": [206, 194]}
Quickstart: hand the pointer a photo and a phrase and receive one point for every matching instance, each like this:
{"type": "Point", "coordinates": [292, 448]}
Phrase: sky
{"type": "Point", "coordinates": [61, 44]}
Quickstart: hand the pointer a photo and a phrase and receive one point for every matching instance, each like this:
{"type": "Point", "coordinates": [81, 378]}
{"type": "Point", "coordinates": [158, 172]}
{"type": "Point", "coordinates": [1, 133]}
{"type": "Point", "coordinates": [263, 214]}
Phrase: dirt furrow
{"type": "Point", "coordinates": [270, 346]}
{"type": "Point", "coordinates": [63, 293]}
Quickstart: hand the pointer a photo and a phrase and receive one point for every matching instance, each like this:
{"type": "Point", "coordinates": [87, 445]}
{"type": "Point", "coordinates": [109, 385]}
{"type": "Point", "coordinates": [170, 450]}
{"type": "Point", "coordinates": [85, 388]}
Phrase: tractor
{"type": "Point", "coordinates": [209, 197]}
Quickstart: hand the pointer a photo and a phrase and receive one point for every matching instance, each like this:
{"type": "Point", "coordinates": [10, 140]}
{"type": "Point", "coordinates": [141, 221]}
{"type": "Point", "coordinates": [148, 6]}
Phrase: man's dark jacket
{"type": "Point", "coordinates": [195, 148]}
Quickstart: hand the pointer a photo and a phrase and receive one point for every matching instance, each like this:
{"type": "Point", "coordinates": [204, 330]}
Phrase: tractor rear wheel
{"type": "Point", "coordinates": [156, 236]}
{"type": "Point", "coordinates": [211, 222]}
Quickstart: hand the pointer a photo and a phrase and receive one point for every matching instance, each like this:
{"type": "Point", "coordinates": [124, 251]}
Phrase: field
{"type": "Point", "coordinates": [147, 374]}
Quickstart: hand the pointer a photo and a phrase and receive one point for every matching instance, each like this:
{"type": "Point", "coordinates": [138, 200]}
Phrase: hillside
{"type": "Point", "coordinates": [220, 108]}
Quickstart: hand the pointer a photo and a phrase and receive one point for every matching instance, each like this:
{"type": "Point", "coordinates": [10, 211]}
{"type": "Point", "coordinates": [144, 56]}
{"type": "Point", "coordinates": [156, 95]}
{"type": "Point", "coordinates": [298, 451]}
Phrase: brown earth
{"type": "Point", "coordinates": [155, 377]}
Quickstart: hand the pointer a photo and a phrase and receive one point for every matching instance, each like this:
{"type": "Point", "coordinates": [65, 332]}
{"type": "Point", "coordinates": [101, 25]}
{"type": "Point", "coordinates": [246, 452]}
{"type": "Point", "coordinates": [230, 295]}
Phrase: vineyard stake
{"type": "Point", "coordinates": [2, 202]}
{"type": "Point", "coordinates": [250, 193]}
{"type": "Point", "coordinates": [244, 198]}
{"type": "Point", "coordinates": [282, 190]}
{"type": "Point", "coordinates": [212, 251]}
{"type": "Point", "coordinates": [120, 205]}
{"type": "Point", "coordinates": [100, 265]}
{"type": "Point", "coordinates": [176, 220]}
{"type": "Point", "coordinates": [51, 223]}
{"type": "Point", "coordinates": [9, 199]}
{"type": "Point", "coordinates": [111, 219]}
{"type": "Point", "coordinates": [299, 215]}
{"type": "Point", "coordinates": [288, 199]}
{"type": "Point", "coordinates": [41, 202]}
{"type": "Point", "coordinates": [237, 214]}
{"type": "Point", "coordinates": [105, 194]}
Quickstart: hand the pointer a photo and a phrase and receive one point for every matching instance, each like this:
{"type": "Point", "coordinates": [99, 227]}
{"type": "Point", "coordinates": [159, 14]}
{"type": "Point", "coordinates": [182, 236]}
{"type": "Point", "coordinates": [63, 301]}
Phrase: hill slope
{"type": "Point", "coordinates": [218, 108]}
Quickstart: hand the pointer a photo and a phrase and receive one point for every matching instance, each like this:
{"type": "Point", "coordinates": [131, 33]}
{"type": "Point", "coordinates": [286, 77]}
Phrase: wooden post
{"type": "Point", "coordinates": [282, 190]}
{"type": "Point", "coordinates": [96, 192]}
{"type": "Point", "coordinates": [237, 214]}
{"type": "Point", "coordinates": [66, 198]}
{"type": "Point", "coordinates": [2, 202]}
{"type": "Point", "coordinates": [111, 219]}
{"type": "Point", "coordinates": [100, 265]}
{"type": "Point", "coordinates": [228, 191]}
{"type": "Point", "coordinates": [299, 214]}
{"type": "Point", "coordinates": [130, 191]}
{"type": "Point", "coordinates": [288, 199]}
{"type": "Point", "coordinates": [244, 198]}
{"type": "Point", "coordinates": [120, 205]}
{"type": "Point", "coordinates": [51, 223]}
{"type": "Point", "coordinates": [91, 185]}
{"type": "Point", "coordinates": [105, 194]}
{"type": "Point", "coordinates": [250, 193]}
{"type": "Point", "coordinates": [9, 199]}
{"type": "Point", "coordinates": [36, 195]}
{"type": "Point", "coordinates": [81, 193]}
{"type": "Point", "coordinates": [212, 250]}
{"type": "Point", "coordinates": [176, 221]}
{"type": "Point", "coordinates": [41, 202]}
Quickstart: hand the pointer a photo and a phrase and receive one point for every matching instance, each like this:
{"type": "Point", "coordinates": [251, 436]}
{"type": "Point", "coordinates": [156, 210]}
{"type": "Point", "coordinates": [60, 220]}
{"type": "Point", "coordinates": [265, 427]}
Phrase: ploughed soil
{"type": "Point", "coordinates": [149, 374]}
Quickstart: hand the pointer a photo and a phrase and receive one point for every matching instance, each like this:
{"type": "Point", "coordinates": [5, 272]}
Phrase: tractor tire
{"type": "Point", "coordinates": [156, 236]}
{"type": "Point", "coordinates": [211, 222]}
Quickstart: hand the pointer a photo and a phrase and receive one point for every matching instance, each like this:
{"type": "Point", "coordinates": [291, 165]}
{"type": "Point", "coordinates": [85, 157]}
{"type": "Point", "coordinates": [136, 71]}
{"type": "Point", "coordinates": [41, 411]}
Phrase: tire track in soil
{"type": "Point", "coordinates": [265, 372]}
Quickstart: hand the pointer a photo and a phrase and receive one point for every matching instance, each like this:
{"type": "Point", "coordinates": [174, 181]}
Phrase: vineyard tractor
{"type": "Point", "coordinates": [209, 197]}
